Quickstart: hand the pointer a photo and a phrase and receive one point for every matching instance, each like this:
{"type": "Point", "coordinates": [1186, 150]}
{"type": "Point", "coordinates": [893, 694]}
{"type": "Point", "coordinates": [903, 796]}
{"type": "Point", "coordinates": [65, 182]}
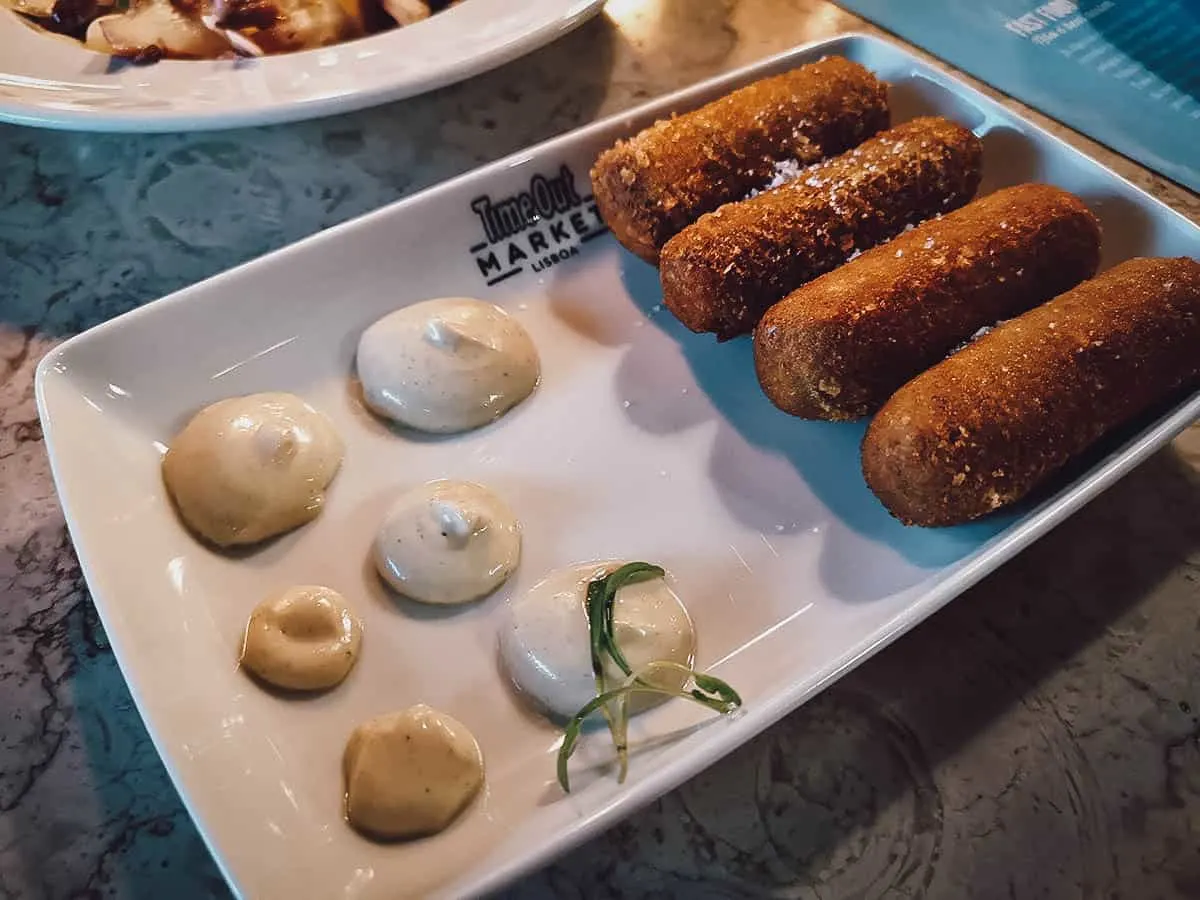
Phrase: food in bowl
{"type": "Point", "coordinates": [145, 31]}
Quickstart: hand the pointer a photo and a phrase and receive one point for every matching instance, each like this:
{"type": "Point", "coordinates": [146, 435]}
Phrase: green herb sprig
{"type": "Point", "coordinates": [613, 702]}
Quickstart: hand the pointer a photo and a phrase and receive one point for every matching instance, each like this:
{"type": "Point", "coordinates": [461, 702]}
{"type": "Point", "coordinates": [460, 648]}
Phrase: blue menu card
{"type": "Point", "coordinates": [1124, 72]}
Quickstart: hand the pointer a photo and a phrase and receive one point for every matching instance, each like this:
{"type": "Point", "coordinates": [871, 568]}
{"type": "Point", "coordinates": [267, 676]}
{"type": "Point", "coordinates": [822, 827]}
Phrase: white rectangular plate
{"type": "Point", "coordinates": [643, 442]}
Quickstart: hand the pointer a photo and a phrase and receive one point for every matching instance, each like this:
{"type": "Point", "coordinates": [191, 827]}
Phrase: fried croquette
{"type": "Point", "coordinates": [652, 185]}
{"type": "Point", "coordinates": [722, 273]}
{"type": "Point", "coordinates": [994, 421]}
{"type": "Point", "coordinates": [840, 346]}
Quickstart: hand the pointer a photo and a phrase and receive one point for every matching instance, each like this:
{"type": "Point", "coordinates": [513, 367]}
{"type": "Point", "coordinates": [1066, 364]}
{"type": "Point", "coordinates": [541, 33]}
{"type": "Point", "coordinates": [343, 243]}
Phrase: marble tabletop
{"type": "Point", "coordinates": [1039, 738]}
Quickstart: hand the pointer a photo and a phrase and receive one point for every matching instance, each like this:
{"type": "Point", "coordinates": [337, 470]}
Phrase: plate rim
{"type": "Point", "coordinates": [1034, 525]}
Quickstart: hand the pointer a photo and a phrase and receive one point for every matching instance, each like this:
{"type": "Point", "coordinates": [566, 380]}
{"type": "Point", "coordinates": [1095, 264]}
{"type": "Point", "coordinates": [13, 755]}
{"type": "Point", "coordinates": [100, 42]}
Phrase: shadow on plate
{"type": "Point", "coordinates": [917, 95]}
{"type": "Point", "coordinates": [758, 448]}
{"type": "Point", "coordinates": [1009, 158]}
{"type": "Point", "coordinates": [1127, 230]}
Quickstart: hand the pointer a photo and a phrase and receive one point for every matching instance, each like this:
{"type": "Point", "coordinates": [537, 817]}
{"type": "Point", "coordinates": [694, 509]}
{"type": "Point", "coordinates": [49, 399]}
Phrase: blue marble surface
{"type": "Point", "coordinates": [1039, 738]}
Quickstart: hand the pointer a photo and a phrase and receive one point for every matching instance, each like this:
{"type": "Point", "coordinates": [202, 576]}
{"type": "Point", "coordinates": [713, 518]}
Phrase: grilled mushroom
{"type": "Point", "coordinates": [306, 24]}
{"type": "Point", "coordinates": [155, 24]}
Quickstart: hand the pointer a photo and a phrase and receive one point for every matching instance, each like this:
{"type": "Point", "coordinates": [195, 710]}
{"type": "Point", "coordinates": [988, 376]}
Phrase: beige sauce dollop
{"type": "Point", "coordinates": [446, 365]}
{"type": "Point", "coordinates": [249, 468]}
{"type": "Point", "coordinates": [448, 542]}
{"type": "Point", "coordinates": [410, 773]}
{"type": "Point", "coordinates": [545, 644]}
{"type": "Point", "coordinates": [302, 639]}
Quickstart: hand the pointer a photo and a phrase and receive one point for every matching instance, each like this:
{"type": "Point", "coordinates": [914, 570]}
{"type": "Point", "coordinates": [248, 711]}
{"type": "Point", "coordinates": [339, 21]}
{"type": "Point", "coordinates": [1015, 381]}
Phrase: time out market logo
{"type": "Point", "coordinates": [535, 228]}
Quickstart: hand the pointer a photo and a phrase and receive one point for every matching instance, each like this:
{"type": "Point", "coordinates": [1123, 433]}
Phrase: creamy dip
{"type": "Point", "coordinates": [303, 639]}
{"type": "Point", "coordinates": [446, 365]}
{"type": "Point", "coordinates": [248, 468]}
{"type": "Point", "coordinates": [410, 773]}
{"type": "Point", "coordinates": [545, 643]}
{"type": "Point", "coordinates": [448, 542]}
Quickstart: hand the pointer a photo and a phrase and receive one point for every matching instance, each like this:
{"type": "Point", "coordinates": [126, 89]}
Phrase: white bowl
{"type": "Point", "coordinates": [52, 81]}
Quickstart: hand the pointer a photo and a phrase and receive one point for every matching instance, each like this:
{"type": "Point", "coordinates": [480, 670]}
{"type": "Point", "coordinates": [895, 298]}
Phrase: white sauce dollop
{"type": "Point", "coordinates": [546, 648]}
{"type": "Point", "coordinates": [446, 365]}
{"type": "Point", "coordinates": [302, 639]}
{"type": "Point", "coordinates": [248, 468]}
{"type": "Point", "coordinates": [448, 542]}
{"type": "Point", "coordinates": [410, 773]}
